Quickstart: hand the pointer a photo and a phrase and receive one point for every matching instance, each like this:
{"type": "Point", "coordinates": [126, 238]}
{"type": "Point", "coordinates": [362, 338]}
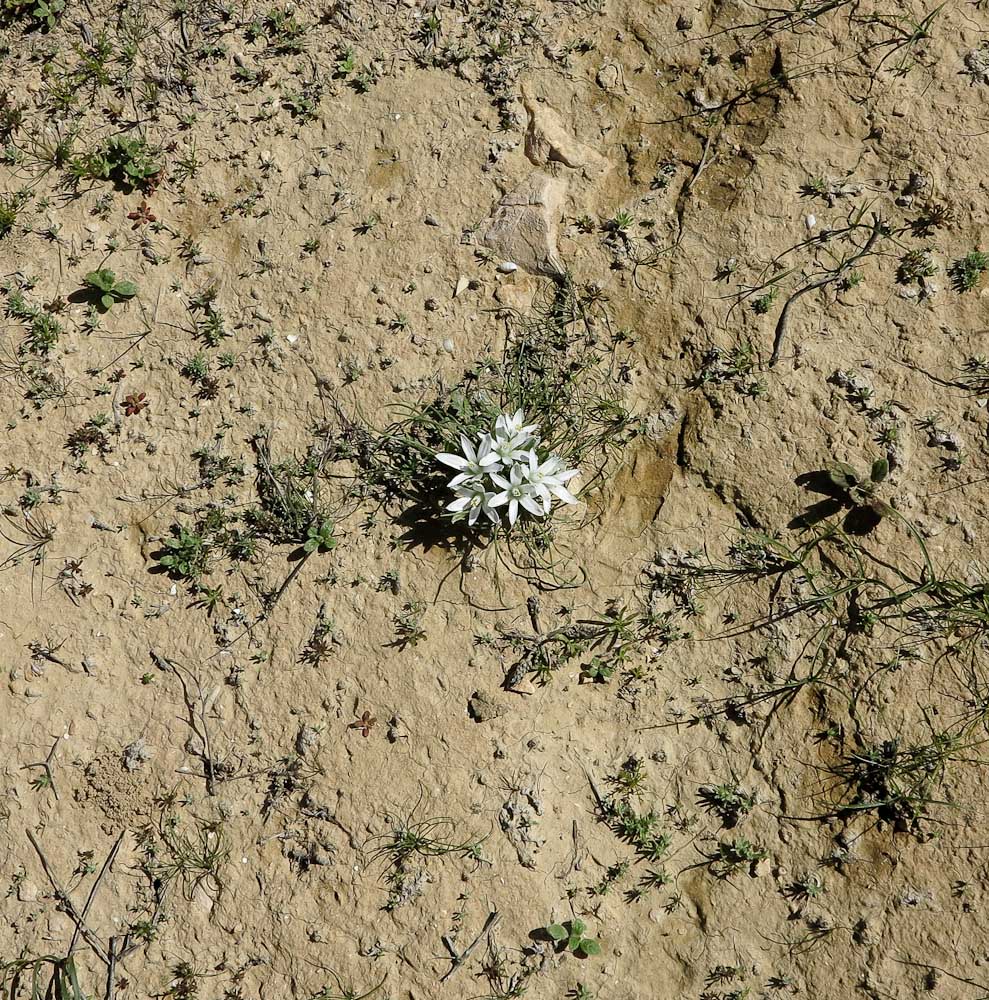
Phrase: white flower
{"type": "Point", "coordinates": [472, 501]}
{"type": "Point", "coordinates": [516, 492]}
{"type": "Point", "coordinates": [549, 479]}
{"type": "Point", "coordinates": [513, 425]}
{"type": "Point", "coordinates": [472, 464]}
{"type": "Point", "coordinates": [510, 450]}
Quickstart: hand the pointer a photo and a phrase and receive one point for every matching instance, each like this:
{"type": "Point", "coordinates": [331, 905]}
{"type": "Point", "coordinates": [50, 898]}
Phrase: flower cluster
{"type": "Point", "coordinates": [505, 469]}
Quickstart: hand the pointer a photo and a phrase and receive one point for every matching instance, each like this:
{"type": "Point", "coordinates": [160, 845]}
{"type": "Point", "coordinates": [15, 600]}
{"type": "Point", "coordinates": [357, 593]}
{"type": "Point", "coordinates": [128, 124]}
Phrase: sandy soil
{"type": "Point", "coordinates": [322, 184]}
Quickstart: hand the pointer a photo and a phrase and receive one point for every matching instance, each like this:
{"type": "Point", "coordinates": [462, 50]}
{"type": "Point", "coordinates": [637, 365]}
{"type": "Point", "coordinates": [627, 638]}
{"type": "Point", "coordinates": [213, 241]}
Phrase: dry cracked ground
{"type": "Point", "coordinates": [273, 725]}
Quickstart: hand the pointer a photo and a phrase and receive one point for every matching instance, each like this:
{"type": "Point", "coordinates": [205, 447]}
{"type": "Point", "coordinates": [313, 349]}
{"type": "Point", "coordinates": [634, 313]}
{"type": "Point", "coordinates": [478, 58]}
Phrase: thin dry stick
{"type": "Point", "coordinates": [458, 958]}
{"type": "Point", "coordinates": [110, 858]}
{"type": "Point", "coordinates": [63, 896]}
{"type": "Point", "coordinates": [820, 283]}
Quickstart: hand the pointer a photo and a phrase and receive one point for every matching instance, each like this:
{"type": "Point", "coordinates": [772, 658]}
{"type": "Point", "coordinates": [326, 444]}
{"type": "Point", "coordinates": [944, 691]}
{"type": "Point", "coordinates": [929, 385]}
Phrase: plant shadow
{"type": "Point", "coordinates": [859, 519]}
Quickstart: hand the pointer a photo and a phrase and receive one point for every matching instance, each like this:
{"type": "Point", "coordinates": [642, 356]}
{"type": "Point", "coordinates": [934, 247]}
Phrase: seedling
{"type": "Point", "coordinates": [127, 161]}
{"type": "Point", "coordinates": [847, 490]}
{"type": "Point", "coordinates": [572, 937]}
{"type": "Point", "coordinates": [9, 207]}
{"type": "Point", "coordinates": [320, 538]}
{"type": "Point", "coordinates": [732, 855]}
{"type": "Point", "coordinates": [45, 12]}
{"type": "Point", "coordinates": [106, 291]}
{"type": "Point", "coordinates": [184, 555]}
{"type": "Point", "coordinates": [966, 271]}
{"type": "Point", "coordinates": [728, 802]}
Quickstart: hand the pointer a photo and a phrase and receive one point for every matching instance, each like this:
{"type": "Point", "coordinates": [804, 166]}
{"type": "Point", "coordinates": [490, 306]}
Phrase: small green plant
{"type": "Point", "coordinates": [409, 630]}
{"type": "Point", "coordinates": [846, 489]}
{"type": "Point", "coordinates": [44, 12]}
{"type": "Point", "coordinates": [106, 290]}
{"type": "Point", "coordinates": [728, 802]}
{"type": "Point", "coordinates": [184, 555]}
{"type": "Point", "coordinates": [966, 271]}
{"type": "Point", "coordinates": [43, 334]}
{"type": "Point", "coordinates": [762, 304]}
{"type": "Point", "coordinates": [620, 223]}
{"type": "Point", "coordinates": [320, 538]}
{"type": "Point", "coordinates": [126, 160]}
{"type": "Point", "coordinates": [572, 937]}
{"type": "Point", "coordinates": [9, 209]}
{"type": "Point", "coordinates": [416, 841]}
{"type": "Point", "coordinates": [915, 265]}
{"type": "Point", "coordinates": [732, 855]}
{"type": "Point", "coordinates": [195, 859]}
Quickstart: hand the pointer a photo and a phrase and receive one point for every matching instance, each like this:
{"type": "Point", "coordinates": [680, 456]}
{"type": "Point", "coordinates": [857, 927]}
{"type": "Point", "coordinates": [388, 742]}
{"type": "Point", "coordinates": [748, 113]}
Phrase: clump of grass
{"type": "Point", "coordinates": [42, 976]}
{"type": "Point", "coordinates": [192, 858]}
{"type": "Point", "coordinates": [560, 369]}
{"type": "Point", "coordinates": [899, 781]}
{"type": "Point", "coordinates": [415, 841]}
{"type": "Point", "coordinates": [966, 272]}
{"type": "Point", "coordinates": [10, 208]}
{"type": "Point", "coordinates": [603, 645]}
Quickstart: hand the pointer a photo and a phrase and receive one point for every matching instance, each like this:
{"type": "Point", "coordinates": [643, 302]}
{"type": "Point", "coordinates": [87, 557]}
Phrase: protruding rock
{"type": "Point", "coordinates": [524, 227]}
{"type": "Point", "coordinates": [548, 141]}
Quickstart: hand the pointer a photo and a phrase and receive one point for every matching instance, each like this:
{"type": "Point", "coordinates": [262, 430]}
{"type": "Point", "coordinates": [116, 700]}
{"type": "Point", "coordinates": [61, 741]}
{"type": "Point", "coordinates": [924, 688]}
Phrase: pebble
{"type": "Point", "coordinates": [608, 77]}
{"type": "Point", "coordinates": [27, 892]}
{"type": "Point", "coordinates": [507, 267]}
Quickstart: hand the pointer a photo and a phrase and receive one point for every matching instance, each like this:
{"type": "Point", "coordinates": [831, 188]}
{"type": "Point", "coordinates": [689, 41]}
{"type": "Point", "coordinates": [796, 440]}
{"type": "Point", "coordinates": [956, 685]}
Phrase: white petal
{"type": "Point", "coordinates": [531, 506]}
{"type": "Point", "coordinates": [459, 504]}
{"type": "Point", "coordinates": [564, 494]}
{"type": "Point", "coordinates": [513, 511]}
{"type": "Point", "coordinates": [454, 461]}
{"type": "Point", "coordinates": [498, 499]}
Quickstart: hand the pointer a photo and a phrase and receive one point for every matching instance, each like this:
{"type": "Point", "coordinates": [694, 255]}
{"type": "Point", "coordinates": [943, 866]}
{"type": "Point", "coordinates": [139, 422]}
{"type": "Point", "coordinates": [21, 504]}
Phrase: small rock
{"type": "Point", "coordinates": [548, 141]}
{"type": "Point", "coordinates": [28, 892]}
{"type": "Point", "coordinates": [136, 755]}
{"type": "Point", "coordinates": [524, 226]}
{"type": "Point", "coordinates": [306, 739]}
{"type": "Point", "coordinates": [608, 77]}
{"type": "Point", "coordinates": [977, 65]}
{"type": "Point", "coordinates": [463, 283]}
{"type": "Point", "coordinates": [483, 707]}
{"type": "Point", "coordinates": [684, 22]}
{"type": "Point", "coordinates": [431, 220]}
